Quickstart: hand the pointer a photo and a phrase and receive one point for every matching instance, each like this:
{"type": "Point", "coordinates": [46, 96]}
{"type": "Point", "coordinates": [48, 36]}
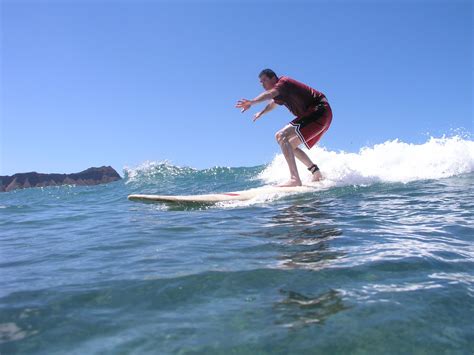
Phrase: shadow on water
{"type": "Point", "coordinates": [297, 310]}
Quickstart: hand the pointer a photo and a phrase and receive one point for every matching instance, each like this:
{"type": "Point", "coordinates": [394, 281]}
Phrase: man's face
{"type": "Point", "coordinates": [268, 83]}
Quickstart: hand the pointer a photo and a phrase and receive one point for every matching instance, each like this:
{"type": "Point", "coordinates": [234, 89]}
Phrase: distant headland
{"type": "Point", "coordinates": [91, 176]}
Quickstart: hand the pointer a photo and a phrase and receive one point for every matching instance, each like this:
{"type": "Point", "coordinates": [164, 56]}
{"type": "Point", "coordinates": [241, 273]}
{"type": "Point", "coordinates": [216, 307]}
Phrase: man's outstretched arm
{"type": "Point", "coordinates": [245, 104]}
{"type": "Point", "coordinates": [267, 108]}
{"type": "Point", "coordinates": [264, 96]}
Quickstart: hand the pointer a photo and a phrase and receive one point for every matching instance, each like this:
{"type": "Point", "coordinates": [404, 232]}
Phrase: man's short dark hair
{"type": "Point", "coordinates": [268, 72]}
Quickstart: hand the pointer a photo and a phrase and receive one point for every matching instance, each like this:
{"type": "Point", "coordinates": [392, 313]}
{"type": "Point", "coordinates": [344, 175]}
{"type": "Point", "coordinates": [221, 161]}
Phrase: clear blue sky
{"type": "Point", "coordinates": [90, 83]}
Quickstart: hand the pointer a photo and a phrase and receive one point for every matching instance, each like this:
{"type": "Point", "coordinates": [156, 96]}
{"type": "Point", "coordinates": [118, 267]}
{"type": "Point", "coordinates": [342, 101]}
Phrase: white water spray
{"type": "Point", "coordinates": [391, 161]}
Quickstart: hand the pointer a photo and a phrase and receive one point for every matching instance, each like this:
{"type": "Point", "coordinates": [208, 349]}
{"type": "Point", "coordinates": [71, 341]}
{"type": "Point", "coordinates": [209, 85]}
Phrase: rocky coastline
{"type": "Point", "coordinates": [91, 176]}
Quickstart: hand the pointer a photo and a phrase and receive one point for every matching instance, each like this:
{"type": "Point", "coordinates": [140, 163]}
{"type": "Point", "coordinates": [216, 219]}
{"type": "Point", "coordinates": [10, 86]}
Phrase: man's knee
{"type": "Point", "coordinates": [286, 135]}
{"type": "Point", "coordinates": [280, 137]}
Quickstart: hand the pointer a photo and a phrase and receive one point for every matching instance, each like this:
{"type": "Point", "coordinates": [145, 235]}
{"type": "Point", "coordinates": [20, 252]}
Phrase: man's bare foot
{"type": "Point", "coordinates": [291, 182]}
{"type": "Point", "coordinates": [317, 176]}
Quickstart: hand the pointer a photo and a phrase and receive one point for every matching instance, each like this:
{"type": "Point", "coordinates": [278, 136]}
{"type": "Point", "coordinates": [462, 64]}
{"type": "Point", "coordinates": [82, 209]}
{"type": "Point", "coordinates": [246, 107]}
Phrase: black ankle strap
{"type": "Point", "coordinates": [313, 168]}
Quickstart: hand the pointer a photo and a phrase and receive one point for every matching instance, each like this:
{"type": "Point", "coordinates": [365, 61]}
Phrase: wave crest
{"type": "Point", "coordinates": [391, 161]}
{"type": "Point", "coordinates": [152, 170]}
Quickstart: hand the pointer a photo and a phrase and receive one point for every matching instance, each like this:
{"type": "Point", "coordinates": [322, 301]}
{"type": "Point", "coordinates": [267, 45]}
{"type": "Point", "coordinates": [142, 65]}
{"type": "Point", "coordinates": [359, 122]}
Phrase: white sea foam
{"type": "Point", "coordinates": [391, 161]}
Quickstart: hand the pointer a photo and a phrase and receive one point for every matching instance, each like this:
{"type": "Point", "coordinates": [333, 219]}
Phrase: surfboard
{"type": "Point", "coordinates": [220, 197]}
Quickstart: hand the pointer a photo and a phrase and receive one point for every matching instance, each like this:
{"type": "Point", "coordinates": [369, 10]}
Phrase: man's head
{"type": "Point", "coordinates": [268, 78]}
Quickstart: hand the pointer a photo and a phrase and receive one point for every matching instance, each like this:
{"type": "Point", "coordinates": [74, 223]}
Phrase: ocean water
{"type": "Point", "coordinates": [378, 260]}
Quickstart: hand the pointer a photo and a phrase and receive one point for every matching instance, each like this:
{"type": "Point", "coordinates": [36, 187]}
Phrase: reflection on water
{"type": "Point", "coordinates": [297, 310]}
{"type": "Point", "coordinates": [300, 215]}
{"type": "Point", "coordinates": [307, 235]}
{"type": "Point", "coordinates": [316, 259]}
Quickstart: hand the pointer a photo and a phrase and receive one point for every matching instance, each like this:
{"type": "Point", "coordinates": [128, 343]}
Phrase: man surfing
{"type": "Point", "coordinates": [313, 118]}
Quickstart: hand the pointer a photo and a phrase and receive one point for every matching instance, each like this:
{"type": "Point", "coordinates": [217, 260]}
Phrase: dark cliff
{"type": "Point", "coordinates": [91, 176]}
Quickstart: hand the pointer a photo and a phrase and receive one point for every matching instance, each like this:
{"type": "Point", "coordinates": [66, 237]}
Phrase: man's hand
{"type": "Point", "coordinates": [257, 115]}
{"type": "Point", "coordinates": [244, 104]}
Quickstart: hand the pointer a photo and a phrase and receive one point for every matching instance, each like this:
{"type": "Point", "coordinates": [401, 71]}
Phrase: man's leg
{"type": "Point", "coordinates": [288, 141]}
{"type": "Point", "coordinates": [303, 157]}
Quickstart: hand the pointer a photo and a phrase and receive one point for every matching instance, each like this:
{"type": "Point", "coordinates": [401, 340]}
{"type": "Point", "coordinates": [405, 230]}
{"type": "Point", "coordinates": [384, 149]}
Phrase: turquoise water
{"type": "Point", "coordinates": [366, 264]}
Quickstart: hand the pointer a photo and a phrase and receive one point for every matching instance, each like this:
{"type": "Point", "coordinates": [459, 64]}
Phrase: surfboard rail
{"type": "Point", "coordinates": [220, 197]}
